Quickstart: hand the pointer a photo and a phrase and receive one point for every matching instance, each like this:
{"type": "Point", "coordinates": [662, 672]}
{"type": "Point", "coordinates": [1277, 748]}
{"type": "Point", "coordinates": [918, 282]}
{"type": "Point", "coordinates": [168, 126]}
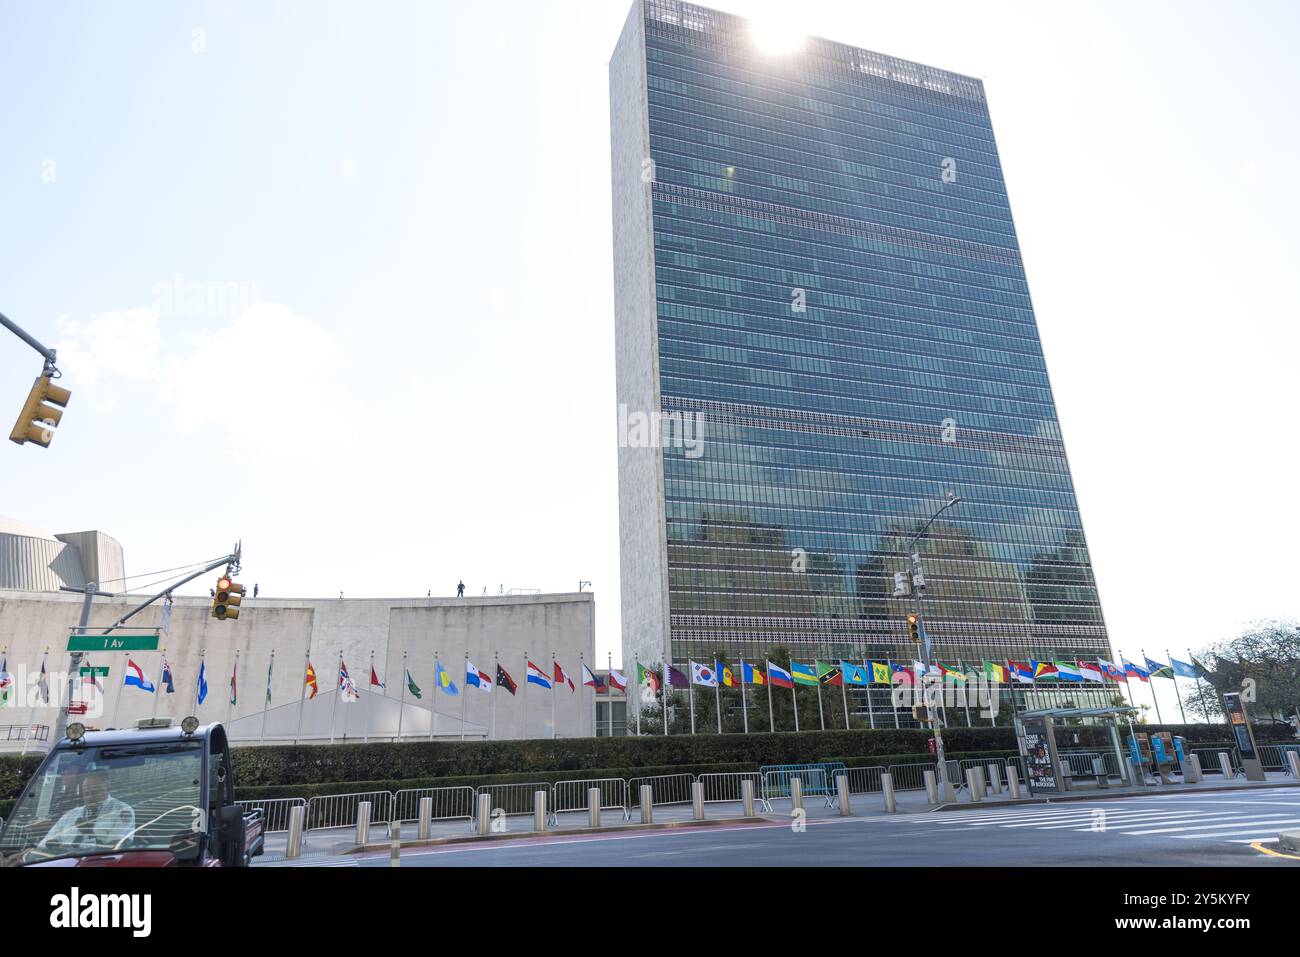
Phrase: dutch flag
{"type": "Point", "coordinates": [136, 678]}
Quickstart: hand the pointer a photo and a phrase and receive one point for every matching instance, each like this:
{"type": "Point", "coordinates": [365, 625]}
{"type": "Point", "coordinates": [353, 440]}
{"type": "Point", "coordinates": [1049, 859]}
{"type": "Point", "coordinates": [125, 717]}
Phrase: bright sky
{"type": "Point", "coordinates": [416, 194]}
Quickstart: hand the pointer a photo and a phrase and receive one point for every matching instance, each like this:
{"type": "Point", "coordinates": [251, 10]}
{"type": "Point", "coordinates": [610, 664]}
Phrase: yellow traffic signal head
{"type": "Point", "coordinates": [226, 599]}
{"type": "Point", "coordinates": [39, 417]}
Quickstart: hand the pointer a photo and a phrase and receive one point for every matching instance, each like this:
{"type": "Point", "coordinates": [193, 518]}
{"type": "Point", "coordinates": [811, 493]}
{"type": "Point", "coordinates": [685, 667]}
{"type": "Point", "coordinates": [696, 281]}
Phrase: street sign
{"type": "Point", "coordinates": [95, 672]}
{"type": "Point", "coordinates": [113, 643]}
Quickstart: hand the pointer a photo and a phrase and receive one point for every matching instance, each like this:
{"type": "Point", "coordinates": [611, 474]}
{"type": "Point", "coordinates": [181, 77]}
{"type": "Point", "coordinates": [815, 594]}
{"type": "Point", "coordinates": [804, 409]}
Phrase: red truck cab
{"type": "Point", "coordinates": [154, 797]}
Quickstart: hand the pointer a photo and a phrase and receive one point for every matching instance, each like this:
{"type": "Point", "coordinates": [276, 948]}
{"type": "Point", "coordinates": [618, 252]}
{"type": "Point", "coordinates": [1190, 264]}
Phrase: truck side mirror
{"type": "Point", "coordinates": [231, 835]}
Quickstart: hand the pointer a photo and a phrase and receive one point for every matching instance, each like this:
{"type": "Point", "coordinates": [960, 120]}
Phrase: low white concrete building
{"type": "Point", "coordinates": [399, 635]}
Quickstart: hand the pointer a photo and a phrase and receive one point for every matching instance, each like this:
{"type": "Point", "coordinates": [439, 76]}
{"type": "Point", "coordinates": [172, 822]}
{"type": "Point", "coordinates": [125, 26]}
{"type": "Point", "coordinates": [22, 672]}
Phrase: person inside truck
{"type": "Point", "coordinates": [100, 820]}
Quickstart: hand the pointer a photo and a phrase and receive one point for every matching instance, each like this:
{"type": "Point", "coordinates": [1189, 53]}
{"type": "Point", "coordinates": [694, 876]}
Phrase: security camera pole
{"type": "Point", "coordinates": [918, 587]}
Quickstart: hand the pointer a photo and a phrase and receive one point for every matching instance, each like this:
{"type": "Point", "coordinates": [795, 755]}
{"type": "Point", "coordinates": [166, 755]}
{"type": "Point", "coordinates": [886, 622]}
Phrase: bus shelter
{"type": "Point", "coordinates": [1049, 742]}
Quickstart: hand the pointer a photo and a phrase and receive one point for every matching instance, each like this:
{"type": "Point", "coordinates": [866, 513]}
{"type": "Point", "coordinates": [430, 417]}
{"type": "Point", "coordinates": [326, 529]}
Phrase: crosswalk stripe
{"type": "Point", "coordinates": [1053, 816]}
{"type": "Point", "coordinates": [1253, 828]}
{"type": "Point", "coordinates": [1245, 820]}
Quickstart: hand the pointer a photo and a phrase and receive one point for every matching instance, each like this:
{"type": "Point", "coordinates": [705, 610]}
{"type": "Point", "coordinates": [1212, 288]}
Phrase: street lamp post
{"type": "Point", "coordinates": [918, 583]}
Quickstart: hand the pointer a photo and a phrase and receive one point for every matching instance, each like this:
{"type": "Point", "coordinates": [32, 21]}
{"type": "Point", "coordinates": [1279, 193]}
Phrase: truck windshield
{"type": "Point", "coordinates": [95, 800]}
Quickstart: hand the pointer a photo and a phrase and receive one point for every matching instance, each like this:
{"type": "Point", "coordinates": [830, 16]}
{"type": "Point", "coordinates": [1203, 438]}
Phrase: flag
{"type": "Point", "coordinates": [269, 666]}
{"type": "Point", "coordinates": [676, 679]}
{"type": "Point", "coordinates": [505, 681]}
{"type": "Point", "coordinates": [1156, 670]}
{"type": "Point", "coordinates": [1133, 671]}
{"type": "Point", "coordinates": [804, 674]}
{"type": "Point", "coordinates": [830, 674]}
{"type": "Point", "coordinates": [442, 680]}
{"type": "Point", "coordinates": [779, 677]}
{"type": "Point", "coordinates": [1043, 669]}
{"type": "Point", "coordinates": [996, 673]}
{"type": "Point", "coordinates": [899, 673]}
{"type": "Point", "coordinates": [203, 680]}
{"type": "Point", "coordinates": [167, 677]}
{"type": "Point", "coordinates": [411, 686]}
{"type": "Point", "coordinates": [1022, 671]}
{"type": "Point", "coordinates": [591, 680]}
{"type": "Point", "coordinates": [644, 676]}
{"type": "Point", "coordinates": [1066, 671]}
{"type": "Point", "coordinates": [918, 669]}
{"type": "Point", "coordinates": [43, 684]}
{"type": "Point", "coordinates": [477, 679]}
{"type": "Point", "coordinates": [703, 675]}
{"type": "Point", "coordinates": [374, 678]}
{"type": "Point", "coordinates": [854, 673]}
{"type": "Point", "coordinates": [537, 676]}
{"type": "Point", "coordinates": [726, 675]}
{"type": "Point", "coordinates": [1201, 670]}
{"type": "Point", "coordinates": [1183, 669]}
{"type": "Point", "coordinates": [167, 614]}
{"type": "Point", "coordinates": [618, 680]}
{"type": "Point", "coordinates": [1111, 671]}
{"type": "Point", "coordinates": [234, 673]}
{"type": "Point", "coordinates": [6, 680]}
{"type": "Point", "coordinates": [1090, 670]}
{"type": "Point", "coordinates": [561, 678]}
{"type": "Point", "coordinates": [880, 673]}
{"type": "Point", "coordinates": [311, 680]}
{"type": "Point", "coordinates": [750, 675]}
{"type": "Point", "coordinates": [346, 688]}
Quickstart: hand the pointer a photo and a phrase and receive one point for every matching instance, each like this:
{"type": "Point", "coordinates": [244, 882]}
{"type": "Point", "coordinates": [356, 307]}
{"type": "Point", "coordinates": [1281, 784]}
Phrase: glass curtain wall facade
{"type": "Point", "coordinates": [839, 333]}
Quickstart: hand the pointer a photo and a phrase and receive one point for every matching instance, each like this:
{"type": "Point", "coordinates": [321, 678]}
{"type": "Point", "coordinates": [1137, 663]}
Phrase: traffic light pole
{"type": "Point", "coordinates": [47, 354]}
{"type": "Point", "coordinates": [946, 792]}
{"type": "Point", "coordinates": [91, 590]}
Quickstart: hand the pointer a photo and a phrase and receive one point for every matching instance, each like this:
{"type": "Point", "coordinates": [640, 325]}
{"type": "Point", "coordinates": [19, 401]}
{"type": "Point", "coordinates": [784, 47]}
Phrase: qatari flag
{"type": "Point", "coordinates": [676, 679]}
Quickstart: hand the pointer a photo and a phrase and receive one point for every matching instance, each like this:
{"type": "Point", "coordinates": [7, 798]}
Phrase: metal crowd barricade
{"type": "Point", "coordinates": [1272, 757]}
{"type": "Point", "coordinates": [911, 777]}
{"type": "Point", "coordinates": [340, 810]}
{"type": "Point", "coordinates": [864, 780]}
{"type": "Point", "coordinates": [664, 788]}
{"type": "Point", "coordinates": [814, 779]}
{"type": "Point", "coordinates": [449, 804]}
{"type": "Point", "coordinates": [516, 798]}
{"type": "Point", "coordinates": [275, 811]}
{"type": "Point", "coordinates": [572, 795]}
{"type": "Point", "coordinates": [1210, 759]}
{"type": "Point", "coordinates": [723, 787]}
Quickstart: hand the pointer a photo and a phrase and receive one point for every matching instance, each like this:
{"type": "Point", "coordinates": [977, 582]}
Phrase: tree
{"type": "Point", "coordinates": [1263, 664]}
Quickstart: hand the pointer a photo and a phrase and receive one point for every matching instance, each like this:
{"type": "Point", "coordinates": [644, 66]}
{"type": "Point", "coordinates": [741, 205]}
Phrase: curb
{"type": "Point", "coordinates": [1099, 796]}
{"type": "Point", "coordinates": [563, 832]}
{"type": "Point", "coordinates": [1289, 840]}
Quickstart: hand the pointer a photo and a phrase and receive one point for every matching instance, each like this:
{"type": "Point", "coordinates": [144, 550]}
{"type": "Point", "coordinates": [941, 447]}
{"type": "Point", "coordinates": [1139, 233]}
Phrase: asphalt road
{"type": "Point", "coordinates": [1205, 830]}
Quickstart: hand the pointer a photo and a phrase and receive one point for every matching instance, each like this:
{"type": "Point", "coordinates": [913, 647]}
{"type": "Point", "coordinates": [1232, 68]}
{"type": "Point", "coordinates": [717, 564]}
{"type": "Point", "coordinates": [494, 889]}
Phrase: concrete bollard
{"type": "Point", "coordinates": [647, 804]}
{"type": "Point", "coordinates": [931, 787]}
{"type": "Point", "coordinates": [1013, 782]}
{"type": "Point", "coordinates": [363, 823]}
{"type": "Point", "coordinates": [294, 847]}
{"type": "Point", "coordinates": [484, 814]}
{"type": "Point", "coordinates": [972, 785]}
{"type": "Point", "coordinates": [796, 794]}
{"type": "Point", "coordinates": [539, 810]}
{"type": "Point", "coordinates": [593, 807]}
{"type": "Point", "coordinates": [1192, 773]}
{"type": "Point", "coordinates": [395, 846]}
{"type": "Point", "coordinates": [426, 818]}
{"type": "Point", "coordinates": [697, 800]}
{"type": "Point", "coordinates": [1225, 766]}
{"type": "Point", "coordinates": [995, 779]}
{"type": "Point", "coordinates": [946, 793]}
{"type": "Point", "coordinates": [747, 796]}
{"type": "Point", "coordinates": [842, 792]}
{"type": "Point", "coordinates": [1293, 759]}
{"type": "Point", "coordinates": [887, 789]}
{"type": "Point", "coordinates": [982, 782]}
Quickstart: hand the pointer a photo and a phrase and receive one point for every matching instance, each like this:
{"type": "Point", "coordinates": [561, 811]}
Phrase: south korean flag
{"type": "Point", "coordinates": [703, 675]}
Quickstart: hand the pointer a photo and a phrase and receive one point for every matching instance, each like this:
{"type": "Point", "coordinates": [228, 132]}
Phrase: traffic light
{"type": "Point", "coordinates": [226, 599]}
{"type": "Point", "coordinates": [37, 421]}
{"type": "Point", "coordinates": [921, 713]}
{"type": "Point", "coordinates": [913, 629]}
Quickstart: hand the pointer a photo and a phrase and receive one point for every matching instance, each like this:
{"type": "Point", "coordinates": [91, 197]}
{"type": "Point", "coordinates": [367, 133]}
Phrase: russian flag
{"type": "Point", "coordinates": [779, 677]}
{"type": "Point", "coordinates": [537, 676]}
{"type": "Point", "coordinates": [135, 677]}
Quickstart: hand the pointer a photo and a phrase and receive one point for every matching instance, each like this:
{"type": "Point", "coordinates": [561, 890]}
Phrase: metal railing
{"type": "Point", "coordinates": [340, 810]}
{"type": "Point", "coordinates": [275, 811]}
{"type": "Point", "coordinates": [1272, 757]}
{"type": "Point", "coordinates": [911, 777]}
{"type": "Point", "coordinates": [723, 787]}
{"type": "Point", "coordinates": [864, 780]}
{"type": "Point", "coordinates": [449, 804]}
{"type": "Point", "coordinates": [515, 798]}
{"type": "Point", "coordinates": [1210, 759]}
{"type": "Point", "coordinates": [815, 778]}
{"type": "Point", "coordinates": [24, 732]}
{"type": "Point", "coordinates": [572, 795]}
{"type": "Point", "coordinates": [664, 788]}
{"type": "Point", "coordinates": [1079, 763]}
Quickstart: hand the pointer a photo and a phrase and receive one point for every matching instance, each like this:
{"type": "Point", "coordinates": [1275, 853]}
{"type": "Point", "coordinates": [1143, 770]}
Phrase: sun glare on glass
{"type": "Point", "coordinates": [776, 36]}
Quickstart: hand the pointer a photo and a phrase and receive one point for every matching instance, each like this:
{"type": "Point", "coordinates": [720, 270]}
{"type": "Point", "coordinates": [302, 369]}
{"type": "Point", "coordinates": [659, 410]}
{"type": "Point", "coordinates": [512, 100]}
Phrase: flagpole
{"type": "Point", "coordinates": [433, 697]}
{"type": "Point", "coordinates": [401, 701]}
{"type": "Point", "coordinates": [844, 694]}
{"type": "Point", "coordinates": [1177, 693]}
{"type": "Point", "coordinates": [690, 696]}
{"type": "Point", "coordinates": [636, 659]}
{"type": "Point", "coordinates": [871, 707]}
{"type": "Point", "coordinates": [234, 689]}
{"type": "Point", "coordinates": [338, 690]}
{"type": "Point", "coordinates": [117, 705]}
{"type": "Point", "coordinates": [771, 718]}
{"type": "Point", "coordinates": [365, 714]}
{"type": "Point", "coordinates": [582, 708]}
{"type": "Point", "coordinates": [306, 663]}
{"type": "Point", "coordinates": [553, 694]}
{"type": "Point", "coordinates": [1143, 652]}
{"type": "Point", "coordinates": [794, 697]}
{"type": "Point", "coordinates": [270, 670]}
{"type": "Point", "coordinates": [744, 699]}
{"type": "Point", "coordinates": [197, 704]}
{"type": "Point", "coordinates": [889, 663]}
{"type": "Point", "coordinates": [965, 701]}
{"type": "Point", "coordinates": [820, 715]}
{"type": "Point", "coordinates": [153, 715]}
{"type": "Point", "coordinates": [464, 696]}
{"type": "Point", "coordinates": [717, 695]}
{"type": "Point", "coordinates": [524, 702]}
{"type": "Point", "coordinates": [31, 718]}
{"type": "Point", "coordinates": [609, 689]}
{"type": "Point", "coordinates": [1199, 690]}
{"type": "Point", "coordinates": [496, 669]}
{"type": "Point", "coordinates": [667, 686]}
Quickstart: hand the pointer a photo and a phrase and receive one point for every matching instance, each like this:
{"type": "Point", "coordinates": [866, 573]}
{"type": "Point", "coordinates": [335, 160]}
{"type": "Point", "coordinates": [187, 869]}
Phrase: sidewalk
{"type": "Point", "coordinates": [342, 840]}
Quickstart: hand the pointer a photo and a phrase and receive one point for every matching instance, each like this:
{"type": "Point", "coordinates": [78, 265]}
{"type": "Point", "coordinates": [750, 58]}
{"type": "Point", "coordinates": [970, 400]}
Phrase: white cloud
{"type": "Point", "coordinates": [124, 345]}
